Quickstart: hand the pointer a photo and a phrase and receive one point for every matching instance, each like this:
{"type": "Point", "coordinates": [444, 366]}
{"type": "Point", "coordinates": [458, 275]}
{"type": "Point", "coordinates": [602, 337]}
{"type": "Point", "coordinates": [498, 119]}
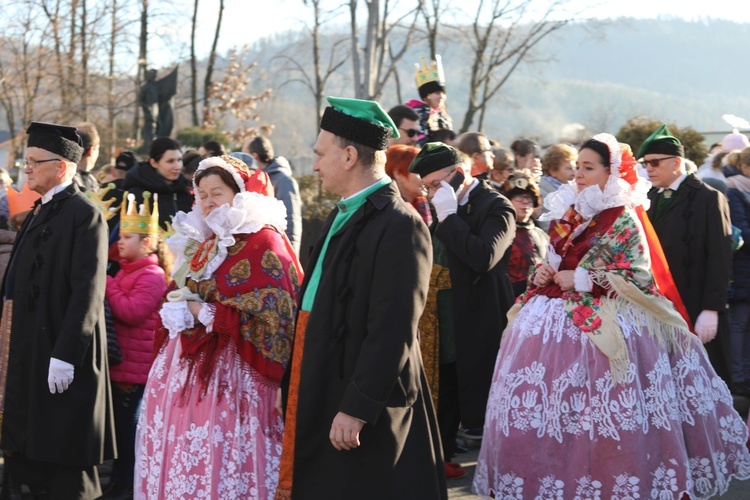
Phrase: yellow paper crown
{"type": "Point", "coordinates": [431, 73]}
{"type": "Point", "coordinates": [104, 206]}
{"type": "Point", "coordinates": [139, 220]}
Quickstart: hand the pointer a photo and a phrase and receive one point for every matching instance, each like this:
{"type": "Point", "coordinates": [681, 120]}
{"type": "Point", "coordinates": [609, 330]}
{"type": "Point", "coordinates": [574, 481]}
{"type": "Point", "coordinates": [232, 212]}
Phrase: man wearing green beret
{"type": "Point", "coordinates": [359, 421]}
{"type": "Point", "coordinates": [692, 222]}
{"type": "Point", "coordinates": [475, 228]}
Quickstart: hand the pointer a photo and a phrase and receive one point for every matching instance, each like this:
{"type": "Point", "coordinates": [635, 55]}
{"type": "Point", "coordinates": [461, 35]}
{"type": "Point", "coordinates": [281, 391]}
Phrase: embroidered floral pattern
{"type": "Point", "coordinates": [572, 410]}
{"type": "Point", "coordinates": [272, 265]}
{"type": "Point", "coordinates": [239, 273]}
{"type": "Point", "coordinates": [236, 248]}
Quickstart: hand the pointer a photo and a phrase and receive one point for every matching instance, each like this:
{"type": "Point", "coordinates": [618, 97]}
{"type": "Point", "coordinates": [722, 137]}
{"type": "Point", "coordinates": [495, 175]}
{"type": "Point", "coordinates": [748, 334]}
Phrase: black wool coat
{"type": "Point", "coordinates": [58, 311]}
{"type": "Point", "coordinates": [173, 196]}
{"type": "Point", "coordinates": [478, 239]}
{"type": "Point", "coordinates": [695, 233]}
{"type": "Point", "coordinates": [361, 357]}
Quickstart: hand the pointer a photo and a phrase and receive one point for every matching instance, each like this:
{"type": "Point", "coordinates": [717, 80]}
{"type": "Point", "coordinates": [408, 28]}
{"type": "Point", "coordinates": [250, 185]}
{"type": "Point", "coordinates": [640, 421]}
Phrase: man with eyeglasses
{"type": "Point", "coordinates": [407, 122]}
{"type": "Point", "coordinates": [470, 290]}
{"type": "Point", "coordinates": [692, 222]}
{"type": "Point", "coordinates": [477, 147]}
{"type": "Point", "coordinates": [57, 421]}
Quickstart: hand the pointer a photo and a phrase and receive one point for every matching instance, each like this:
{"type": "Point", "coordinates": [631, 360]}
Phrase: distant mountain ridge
{"type": "Point", "coordinates": [689, 73]}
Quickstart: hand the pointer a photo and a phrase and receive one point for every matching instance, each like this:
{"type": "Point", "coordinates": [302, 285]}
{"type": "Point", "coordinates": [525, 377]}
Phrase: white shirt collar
{"type": "Point", "coordinates": [47, 197]}
{"type": "Point", "coordinates": [363, 190]}
{"type": "Point", "coordinates": [465, 198]}
{"type": "Point", "coordinates": [675, 184]}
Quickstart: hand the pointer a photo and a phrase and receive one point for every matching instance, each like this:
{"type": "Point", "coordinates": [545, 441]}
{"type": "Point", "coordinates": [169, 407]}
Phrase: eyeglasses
{"type": "Point", "coordinates": [482, 151]}
{"type": "Point", "coordinates": [32, 164]}
{"type": "Point", "coordinates": [435, 185]}
{"type": "Point", "coordinates": [655, 162]}
{"type": "Point", "coordinates": [529, 200]}
{"type": "Point", "coordinates": [411, 132]}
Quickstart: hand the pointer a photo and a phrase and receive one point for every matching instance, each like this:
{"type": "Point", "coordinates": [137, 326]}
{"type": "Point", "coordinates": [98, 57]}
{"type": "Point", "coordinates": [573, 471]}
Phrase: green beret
{"type": "Point", "coordinates": [363, 122]}
{"type": "Point", "coordinates": [433, 157]}
{"type": "Point", "coordinates": [661, 142]}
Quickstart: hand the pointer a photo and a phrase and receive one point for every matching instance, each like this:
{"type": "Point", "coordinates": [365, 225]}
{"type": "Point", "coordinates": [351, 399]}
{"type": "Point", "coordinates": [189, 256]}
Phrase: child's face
{"type": "Point", "coordinates": [436, 99]}
{"type": "Point", "coordinates": [132, 247]}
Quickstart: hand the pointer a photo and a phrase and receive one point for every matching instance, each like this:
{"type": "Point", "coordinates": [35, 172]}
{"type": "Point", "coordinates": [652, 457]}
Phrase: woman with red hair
{"type": "Point", "coordinates": [398, 159]}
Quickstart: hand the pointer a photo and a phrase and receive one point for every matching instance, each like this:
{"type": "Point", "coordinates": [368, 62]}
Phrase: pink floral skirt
{"type": "Point", "coordinates": [557, 427]}
{"type": "Point", "coordinates": [223, 444]}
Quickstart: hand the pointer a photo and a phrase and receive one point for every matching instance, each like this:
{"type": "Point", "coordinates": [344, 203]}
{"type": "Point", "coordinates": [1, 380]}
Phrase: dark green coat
{"type": "Point", "coordinates": [58, 311]}
{"type": "Point", "coordinates": [361, 357]}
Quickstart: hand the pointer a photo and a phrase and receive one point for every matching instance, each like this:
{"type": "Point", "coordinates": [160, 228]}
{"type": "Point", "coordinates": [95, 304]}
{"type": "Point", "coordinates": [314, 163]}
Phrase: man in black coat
{"type": "Point", "coordinates": [359, 418]}
{"type": "Point", "coordinates": [693, 224]}
{"type": "Point", "coordinates": [475, 228]}
{"type": "Point", "coordinates": [57, 415]}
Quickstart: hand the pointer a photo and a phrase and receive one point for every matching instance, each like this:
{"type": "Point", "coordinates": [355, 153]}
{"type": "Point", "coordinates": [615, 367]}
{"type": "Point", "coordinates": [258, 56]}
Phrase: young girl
{"type": "Point", "coordinates": [134, 295]}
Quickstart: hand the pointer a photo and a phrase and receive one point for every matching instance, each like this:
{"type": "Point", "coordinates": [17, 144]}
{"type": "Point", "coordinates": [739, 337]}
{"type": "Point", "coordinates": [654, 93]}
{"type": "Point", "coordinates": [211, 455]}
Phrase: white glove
{"type": "Point", "coordinates": [60, 375]}
{"type": "Point", "coordinates": [706, 325]}
{"type": "Point", "coordinates": [445, 202]}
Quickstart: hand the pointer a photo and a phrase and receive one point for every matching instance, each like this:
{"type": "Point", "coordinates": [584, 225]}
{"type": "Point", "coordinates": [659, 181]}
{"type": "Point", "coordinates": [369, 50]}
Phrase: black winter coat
{"type": "Point", "coordinates": [478, 239]}
{"type": "Point", "coordinates": [173, 197]}
{"type": "Point", "coordinates": [739, 209]}
{"type": "Point", "coordinates": [695, 233]}
{"type": "Point", "coordinates": [58, 311]}
{"type": "Point", "coordinates": [361, 357]}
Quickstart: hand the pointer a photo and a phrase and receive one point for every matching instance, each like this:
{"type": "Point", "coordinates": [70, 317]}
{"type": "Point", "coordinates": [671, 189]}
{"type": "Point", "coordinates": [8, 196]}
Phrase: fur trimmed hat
{"type": "Point", "coordinates": [360, 121]}
{"type": "Point", "coordinates": [58, 139]}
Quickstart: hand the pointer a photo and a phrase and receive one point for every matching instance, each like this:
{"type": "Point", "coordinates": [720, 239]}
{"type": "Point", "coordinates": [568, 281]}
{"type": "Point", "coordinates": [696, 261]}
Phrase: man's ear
{"type": "Point", "coordinates": [351, 157]}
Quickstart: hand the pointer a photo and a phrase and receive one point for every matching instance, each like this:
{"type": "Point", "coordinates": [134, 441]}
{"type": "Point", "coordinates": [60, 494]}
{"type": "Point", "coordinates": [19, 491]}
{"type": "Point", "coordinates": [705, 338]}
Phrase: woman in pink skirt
{"type": "Point", "coordinates": [600, 390]}
{"type": "Point", "coordinates": [209, 427]}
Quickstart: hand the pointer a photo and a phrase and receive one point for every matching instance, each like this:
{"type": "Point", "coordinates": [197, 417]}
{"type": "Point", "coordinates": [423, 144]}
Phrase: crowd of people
{"type": "Point", "coordinates": [580, 312]}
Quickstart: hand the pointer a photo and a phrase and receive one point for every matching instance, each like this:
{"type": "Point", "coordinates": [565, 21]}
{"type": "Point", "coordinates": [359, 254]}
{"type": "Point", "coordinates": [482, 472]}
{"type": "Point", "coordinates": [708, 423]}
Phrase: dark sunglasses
{"type": "Point", "coordinates": [411, 132]}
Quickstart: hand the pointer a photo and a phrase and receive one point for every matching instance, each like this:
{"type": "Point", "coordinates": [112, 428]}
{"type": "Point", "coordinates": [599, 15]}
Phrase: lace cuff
{"type": "Point", "coordinates": [582, 280]}
{"type": "Point", "coordinates": [176, 317]}
{"type": "Point", "coordinates": [206, 316]}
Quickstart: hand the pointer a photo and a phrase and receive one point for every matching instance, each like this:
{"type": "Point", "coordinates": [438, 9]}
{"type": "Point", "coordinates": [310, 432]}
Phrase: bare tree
{"type": "Point", "coordinates": [502, 37]}
{"type": "Point", "coordinates": [193, 68]}
{"type": "Point", "coordinates": [375, 62]}
{"type": "Point", "coordinates": [210, 67]}
{"type": "Point", "coordinates": [21, 78]}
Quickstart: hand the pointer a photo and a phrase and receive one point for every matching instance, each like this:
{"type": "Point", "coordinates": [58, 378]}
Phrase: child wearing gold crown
{"type": "Point", "coordinates": [433, 115]}
{"type": "Point", "coordinates": [134, 295]}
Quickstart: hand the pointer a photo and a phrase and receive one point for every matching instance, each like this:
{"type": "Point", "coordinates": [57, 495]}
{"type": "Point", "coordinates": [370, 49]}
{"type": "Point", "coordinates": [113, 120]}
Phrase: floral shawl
{"type": "Point", "coordinates": [618, 264]}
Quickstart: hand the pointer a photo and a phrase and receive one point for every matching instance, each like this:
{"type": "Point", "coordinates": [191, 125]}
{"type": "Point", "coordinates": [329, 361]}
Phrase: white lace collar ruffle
{"type": "Point", "coordinates": [249, 213]}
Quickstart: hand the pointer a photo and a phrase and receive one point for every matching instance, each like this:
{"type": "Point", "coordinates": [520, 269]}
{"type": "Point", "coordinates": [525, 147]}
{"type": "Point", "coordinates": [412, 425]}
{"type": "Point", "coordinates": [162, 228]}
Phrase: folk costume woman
{"type": "Point", "coordinates": [209, 427]}
{"type": "Point", "coordinates": [600, 390]}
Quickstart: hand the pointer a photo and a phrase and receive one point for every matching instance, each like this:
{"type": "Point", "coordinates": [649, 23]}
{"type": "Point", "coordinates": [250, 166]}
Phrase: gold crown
{"type": "Point", "coordinates": [104, 206]}
{"type": "Point", "coordinates": [431, 73]}
{"type": "Point", "coordinates": [142, 220]}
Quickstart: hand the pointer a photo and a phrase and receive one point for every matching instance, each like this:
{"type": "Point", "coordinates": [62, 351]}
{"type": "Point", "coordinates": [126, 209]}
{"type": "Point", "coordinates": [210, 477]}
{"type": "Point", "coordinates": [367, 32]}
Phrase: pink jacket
{"type": "Point", "coordinates": [135, 295]}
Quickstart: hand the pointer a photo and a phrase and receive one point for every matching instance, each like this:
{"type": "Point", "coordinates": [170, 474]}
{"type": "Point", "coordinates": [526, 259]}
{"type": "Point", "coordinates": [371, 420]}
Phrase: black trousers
{"type": "Point", "coordinates": [126, 404]}
{"type": "Point", "coordinates": [54, 481]}
{"type": "Point", "coordinates": [448, 414]}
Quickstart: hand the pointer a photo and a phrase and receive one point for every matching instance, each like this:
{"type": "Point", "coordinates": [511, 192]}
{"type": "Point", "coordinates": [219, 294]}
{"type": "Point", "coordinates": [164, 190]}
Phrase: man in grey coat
{"type": "Point", "coordinates": [284, 186]}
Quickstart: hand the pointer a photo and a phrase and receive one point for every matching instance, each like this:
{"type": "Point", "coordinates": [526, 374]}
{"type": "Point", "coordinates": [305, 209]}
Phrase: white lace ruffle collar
{"type": "Point", "coordinates": [592, 200]}
{"type": "Point", "coordinates": [249, 213]}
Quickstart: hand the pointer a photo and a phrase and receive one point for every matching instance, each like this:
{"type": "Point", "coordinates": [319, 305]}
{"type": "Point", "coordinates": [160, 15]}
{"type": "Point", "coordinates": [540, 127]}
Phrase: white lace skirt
{"type": "Point", "coordinates": [557, 427]}
{"type": "Point", "coordinates": [224, 444]}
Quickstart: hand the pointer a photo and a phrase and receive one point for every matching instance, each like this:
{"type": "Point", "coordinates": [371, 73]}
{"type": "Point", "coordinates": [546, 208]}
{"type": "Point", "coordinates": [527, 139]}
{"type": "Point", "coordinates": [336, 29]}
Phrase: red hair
{"type": "Point", "coordinates": [398, 158]}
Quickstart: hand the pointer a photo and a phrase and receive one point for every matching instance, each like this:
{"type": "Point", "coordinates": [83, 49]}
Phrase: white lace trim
{"type": "Point", "coordinates": [176, 317]}
{"type": "Point", "coordinates": [206, 316]}
{"type": "Point", "coordinates": [592, 200]}
{"type": "Point", "coordinates": [249, 213]}
{"type": "Point", "coordinates": [215, 161]}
